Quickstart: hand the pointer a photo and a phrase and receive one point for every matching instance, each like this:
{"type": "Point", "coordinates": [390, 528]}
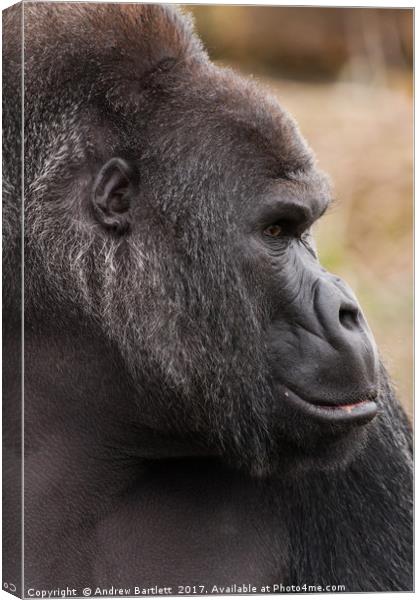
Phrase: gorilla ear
{"type": "Point", "coordinates": [113, 195]}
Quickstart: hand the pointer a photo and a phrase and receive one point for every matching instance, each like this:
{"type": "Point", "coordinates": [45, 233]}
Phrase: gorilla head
{"type": "Point", "coordinates": [169, 204]}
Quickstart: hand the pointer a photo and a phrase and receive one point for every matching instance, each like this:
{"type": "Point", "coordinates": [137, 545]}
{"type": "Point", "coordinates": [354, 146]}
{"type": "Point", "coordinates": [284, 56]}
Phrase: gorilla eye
{"type": "Point", "coordinates": [274, 231]}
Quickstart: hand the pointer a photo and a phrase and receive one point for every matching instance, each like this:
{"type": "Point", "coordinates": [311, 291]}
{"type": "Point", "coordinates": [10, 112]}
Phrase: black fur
{"type": "Point", "coordinates": [170, 341]}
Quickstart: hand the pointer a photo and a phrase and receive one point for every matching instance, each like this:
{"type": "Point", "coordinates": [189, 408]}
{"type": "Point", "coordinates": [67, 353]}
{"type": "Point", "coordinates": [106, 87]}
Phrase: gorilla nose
{"type": "Point", "coordinates": [338, 310]}
{"type": "Point", "coordinates": [345, 329]}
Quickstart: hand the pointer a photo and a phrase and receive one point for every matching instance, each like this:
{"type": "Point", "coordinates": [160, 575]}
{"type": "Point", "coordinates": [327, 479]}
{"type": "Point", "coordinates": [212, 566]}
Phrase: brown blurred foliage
{"type": "Point", "coordinates": [305, 42]}
{"type": "Point", "coordinates": [346, 76]}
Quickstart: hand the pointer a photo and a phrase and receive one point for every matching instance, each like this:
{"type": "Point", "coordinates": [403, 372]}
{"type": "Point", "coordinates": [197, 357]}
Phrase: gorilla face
{"type": "Point", "coordinates": [261, 352]}
{"type": "Point", "coordinates": [322, 354]}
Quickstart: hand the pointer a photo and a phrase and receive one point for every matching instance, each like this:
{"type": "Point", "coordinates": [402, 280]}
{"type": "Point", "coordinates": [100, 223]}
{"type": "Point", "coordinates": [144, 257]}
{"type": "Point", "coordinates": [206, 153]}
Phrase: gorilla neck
{"type": "Point", "coordinates": [78, 396]}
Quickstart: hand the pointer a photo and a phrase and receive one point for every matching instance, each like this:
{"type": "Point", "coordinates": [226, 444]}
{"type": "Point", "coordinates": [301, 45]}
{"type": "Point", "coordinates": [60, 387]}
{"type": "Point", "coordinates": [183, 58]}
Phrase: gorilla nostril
{"type": "Point", "coordinates": [349, 317]}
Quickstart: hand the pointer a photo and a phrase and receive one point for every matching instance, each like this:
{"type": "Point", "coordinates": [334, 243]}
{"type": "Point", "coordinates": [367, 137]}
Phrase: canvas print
{"type": "Point", "coordinates": [206, 300]}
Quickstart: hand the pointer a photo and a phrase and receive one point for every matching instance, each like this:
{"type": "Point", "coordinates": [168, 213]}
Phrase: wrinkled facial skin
{"type": "Point", "coordinates": [323, 362]}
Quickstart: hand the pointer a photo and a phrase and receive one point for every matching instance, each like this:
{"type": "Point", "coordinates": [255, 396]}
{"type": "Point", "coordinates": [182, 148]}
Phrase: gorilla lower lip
{"type": "Point", "coordinates": [352, 413]}
{"type": "Point", "coordinates": [346, 407]}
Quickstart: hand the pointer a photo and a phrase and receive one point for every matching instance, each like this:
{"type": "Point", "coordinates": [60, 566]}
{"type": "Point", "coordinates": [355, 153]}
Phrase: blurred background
{"type": "Point", "coordinates": [346, 76]}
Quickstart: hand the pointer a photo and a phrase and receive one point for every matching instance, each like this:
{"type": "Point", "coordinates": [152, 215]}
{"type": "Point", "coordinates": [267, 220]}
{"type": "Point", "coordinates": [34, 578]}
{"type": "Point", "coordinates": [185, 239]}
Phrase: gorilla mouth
{"type": "Point", "coordinates": [355, 413]}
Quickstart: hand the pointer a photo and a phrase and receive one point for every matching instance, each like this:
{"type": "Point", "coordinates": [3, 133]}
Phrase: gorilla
{"type": "Point", "coordinates": [204, 405]}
